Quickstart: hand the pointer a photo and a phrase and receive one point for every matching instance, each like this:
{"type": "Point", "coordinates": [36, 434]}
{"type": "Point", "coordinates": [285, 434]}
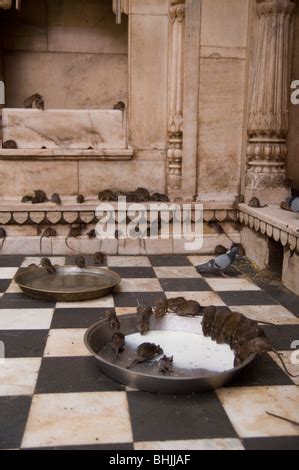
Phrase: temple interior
{"type": "Point", "coordinates": [195, 100]}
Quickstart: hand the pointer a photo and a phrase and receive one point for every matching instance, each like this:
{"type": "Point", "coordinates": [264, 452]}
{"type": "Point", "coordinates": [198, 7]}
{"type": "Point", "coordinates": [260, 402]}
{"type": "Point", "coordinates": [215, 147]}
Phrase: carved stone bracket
{"type": "Point", "coordinates": [175, 98]}
{"type": "Point", "coordinates": [268, 98]}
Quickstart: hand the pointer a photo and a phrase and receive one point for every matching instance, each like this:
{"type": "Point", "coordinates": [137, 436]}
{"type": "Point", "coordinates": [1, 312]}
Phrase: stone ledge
{"type": "Point", "coordinates": [67, 154]}
{"type": "Point", "coordinates": [282, 226]}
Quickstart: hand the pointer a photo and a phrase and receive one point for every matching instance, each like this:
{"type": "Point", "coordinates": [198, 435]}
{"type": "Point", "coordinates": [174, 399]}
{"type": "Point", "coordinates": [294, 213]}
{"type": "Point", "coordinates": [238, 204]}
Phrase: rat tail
{"type": "Point", "coordinates": [133, 364]}
{"type": "Point", "coordinates": [283, 364]}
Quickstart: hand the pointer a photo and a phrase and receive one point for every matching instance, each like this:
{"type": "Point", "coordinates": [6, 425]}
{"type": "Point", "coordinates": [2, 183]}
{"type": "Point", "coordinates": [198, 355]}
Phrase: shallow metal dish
{"type": "Point", "coordinates": [69, 284]}
{"type": "Point", "coordinates": [147, 377]}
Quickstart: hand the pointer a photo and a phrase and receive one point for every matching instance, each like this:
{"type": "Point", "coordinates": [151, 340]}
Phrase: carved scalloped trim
{"type": "Point", "coordinates": [278, 234]}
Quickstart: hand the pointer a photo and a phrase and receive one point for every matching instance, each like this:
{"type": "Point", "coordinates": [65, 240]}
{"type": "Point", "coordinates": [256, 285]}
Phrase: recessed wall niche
{"type": "Point", "coordinates": [70, 51]}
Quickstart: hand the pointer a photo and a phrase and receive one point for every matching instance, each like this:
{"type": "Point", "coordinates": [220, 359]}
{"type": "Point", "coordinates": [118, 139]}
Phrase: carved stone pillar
{"type": "Point", "coordinates": [175, 97]}
{"type": "Point", "coordinates": [268, 101]}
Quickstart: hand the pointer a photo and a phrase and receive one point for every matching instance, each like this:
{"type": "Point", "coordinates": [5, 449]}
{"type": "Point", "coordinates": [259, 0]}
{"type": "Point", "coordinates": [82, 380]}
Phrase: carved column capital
{"type": "Point", "coordinates": [177, 11]}
{"type": "Point", "coordinates": [273, 7]}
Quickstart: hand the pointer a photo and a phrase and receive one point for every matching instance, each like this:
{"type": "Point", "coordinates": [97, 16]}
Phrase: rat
{"type": "Point", "coordinates": [241, 249]}
{"type": "Point", "coordinates": [107, 195]}
{"type": "Point", "coordinates": [208, 319]}
{"type": "Point", "coordinates": [74, 232]}
{"type": "Point", "coordinates": [146, 352]}
{"type": "Point", "coordinates": [113, 319]}
{"type": "Point", "coordinates": [80, 262]}
{"type": "Point", "coordinates": [9, 144]}
{"type": "Point", "coordinates": [80, 199]}
{"type": "Point", "coordinates": [144, 313]}
{"type": "Point", "coordinates": [238, 200]}
{"type": "Point", "coordinates": [118, 342]}
{"type": "Point", "coordinates": [2, 237]}
{"type": "Point", "coordinates": [165, 365]}
{"type": "Point", "coordinates": [221, 313]}
{"type": "Point", "coordinates": [32, 267]}
{"type": "Point", "coordinates": [255, 202]}
{"type": "Point", "coordinates": [36, 99]}
{"type": "Point", "coordinates": [47, 233]}
{"type": "Point", "coordinates": [143, 194]}
{"type": "Point", "coordinates": [160, 307]}
{"type": "Point", "coordinates": [39, 197]}
{"type": "Point", "coordinates": [189, 308]}
{"type": "Point", "coordinates": [99, 258]}
{"type": "Point", "coordinates": [92, 234]}
{"type": "Point", "coordinates": [56, 199]}
{"type": "Point", "coordinates": [120, 105]}
{"type": "Point", "coordinates": [159, 197]}
{"type": "Point", "coordinates": [220, 250]}
{"type": "Point", "coordinates": [27, 198]}
{"type": "Point", "coordinates": [46, 263]}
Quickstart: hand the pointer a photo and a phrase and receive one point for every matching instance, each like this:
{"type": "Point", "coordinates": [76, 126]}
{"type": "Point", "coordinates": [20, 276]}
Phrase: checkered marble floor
{"type": "Point", "coordinates": [53, 395]}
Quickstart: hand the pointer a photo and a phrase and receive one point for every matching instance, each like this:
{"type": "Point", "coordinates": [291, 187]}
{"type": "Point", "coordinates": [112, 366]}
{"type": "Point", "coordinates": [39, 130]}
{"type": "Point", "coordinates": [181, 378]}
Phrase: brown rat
{"type": "Point", "coordinates": [99, 258]}
{"type": "Point", "coordinates": [80, 199]}
{"type": "Point", "coordinates": [107, 195]}
{"type": "Point", "coordinates": [92, 234]}
{"type": "Point", "coordinates": [80, 262]}
{"type": "Point", "coordinates": [159, 197]}
{"type": "Point", "coordinates": [48, 266]}
{"type": "Point", "coordinates": [113, 319]}
{"type": "Point", "coordinates": [9, 144]}
{"type": "Point", "coordinates": [27, 198]}
{"type": "Point", "coordinates": [165, 365]}
{"type": "Point", "coordinates": [146, 352]}
{"type": "Point", "coordinates": [189, 308]}
{"type": "Point", "coordinates": [255, 203]}
{"type": "Point", "coordinates": [240, 199]}
{"type": "Point", "coordinates": [36, 99]}
{"type": "Point", "coordinates": [118, 342]}
{"type": "Point", "coordinates": [144, 313]}
{"type": "Point", "coordinates": [120, 105]}
{"type": "Point", "coordinates": [160, 307]}
{"type": "Point", "coordinates": [39, 197]}
{"type": "Point", "coordinates": [220, 250]}
{"type": "Point", "coordinates": [47, 233]}
{"type": "Point", "coordinates": [55, 198]}
{"type": "Point", "coordinates": [75, 231]}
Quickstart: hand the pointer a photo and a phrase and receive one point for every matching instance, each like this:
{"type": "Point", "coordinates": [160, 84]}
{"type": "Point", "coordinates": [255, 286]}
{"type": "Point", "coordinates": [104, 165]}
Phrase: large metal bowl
{"type": "Point", "coordinates": [69, 284]}
{"type": "Point", "coordinates": [148, 378]}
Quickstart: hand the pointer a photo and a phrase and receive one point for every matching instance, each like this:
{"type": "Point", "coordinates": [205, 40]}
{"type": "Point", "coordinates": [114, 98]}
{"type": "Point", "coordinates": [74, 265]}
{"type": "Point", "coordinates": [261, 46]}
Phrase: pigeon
{"type": "Point", "coordinates": [293, 203]}
{"type": "Point", "coordinates": [220, 263]}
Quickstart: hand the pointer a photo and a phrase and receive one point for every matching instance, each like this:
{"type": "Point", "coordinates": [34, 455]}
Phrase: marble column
{"type": "Point", "coordinates": [175, 97]}
{"type": "Point", "coordinates": [268, 101]}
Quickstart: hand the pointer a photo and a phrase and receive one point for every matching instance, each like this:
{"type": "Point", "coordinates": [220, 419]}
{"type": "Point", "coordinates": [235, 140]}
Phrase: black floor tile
{"type": "Point", "coordinates": [262, 371]}
{"type": "Point", "coordinates": [187, 284]}
{"type": "Point", "coordinates": [272, 443]}
{"type": "Point", "coordinates": [11, 261]}
{"type": "Point", "coordinates": [76, 317]}
{"type": "Point", "coordinates": [132, 272]}
{"type": "Point", "coordinates": [246, 298]}
{"type": "Point", "coordinates": [73, 374]}
{"type": "Point", "coordinates": [19, 300]}
{"type": "Point", "coordinates": [121, 447]}
{"type": "Point", "coordinates": [4, 284]}
{"type": "Point", "coordinates": [169, 260]}
{"type": "Point", "coordinates": [24, 343]}
{"type": "Point", "coordinates": [166, 417]}
{"type": "Point", "coordinates": [14, 412]}
{"type": "Point", "coordinates": [282, 337]}
{"type": "Point", "coordinates": [133, 299]}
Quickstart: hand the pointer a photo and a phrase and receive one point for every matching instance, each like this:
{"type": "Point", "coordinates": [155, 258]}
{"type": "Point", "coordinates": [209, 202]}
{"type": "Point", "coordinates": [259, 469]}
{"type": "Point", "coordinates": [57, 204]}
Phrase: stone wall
{"type": "Point", "coordinates": [222, 77]}
{"type": "Point", "coordinates": [71, 52]}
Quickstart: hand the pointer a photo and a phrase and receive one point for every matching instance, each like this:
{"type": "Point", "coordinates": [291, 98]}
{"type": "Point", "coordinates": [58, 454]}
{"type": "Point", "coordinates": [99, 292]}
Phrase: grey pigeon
{"type": "Point", "coordinates": [293, 203]}
{"type": "Point", "coordinates": [220, 263]}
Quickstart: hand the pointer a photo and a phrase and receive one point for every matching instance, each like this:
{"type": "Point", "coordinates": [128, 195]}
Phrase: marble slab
{"type": "Point", "coordinates": [68, 129]}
